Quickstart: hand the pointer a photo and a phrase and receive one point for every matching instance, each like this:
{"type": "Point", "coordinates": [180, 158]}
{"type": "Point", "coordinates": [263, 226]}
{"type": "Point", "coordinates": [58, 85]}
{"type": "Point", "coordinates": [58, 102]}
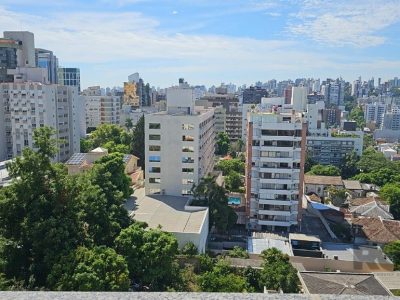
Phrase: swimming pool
{"type": "Point", "coordinates": [233, 200]}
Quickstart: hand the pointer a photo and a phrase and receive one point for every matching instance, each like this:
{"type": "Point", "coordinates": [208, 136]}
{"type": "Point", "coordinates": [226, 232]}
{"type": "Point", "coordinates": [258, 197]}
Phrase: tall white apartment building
{"type": "Point", "coordinates": [274, 169]}
{"type": "Point", "coordinates": [179, 144]}
{"type": "Point", "coordinates": [374, 113]}
{"type": "Point", "coordinates": [101, 109]}
{"type": "Point", "coordinates": [25, 106]}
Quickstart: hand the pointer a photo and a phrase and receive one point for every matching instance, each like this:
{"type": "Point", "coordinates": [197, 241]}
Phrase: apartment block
{"type": "Point", "coordinates": [69, 77]}
{"type": "Point", "coordinates": [28, 105]}
{"type": "Point", "coordinates": [331, 147]}
{"type": "Point", "coordinates": [101, 109]}
{"type": "Point", "coordinates": [274, 169]}
{"type": "Point", "coordinates": [374, 112]}
{"type": "Point", "coordinates": [179, 145]}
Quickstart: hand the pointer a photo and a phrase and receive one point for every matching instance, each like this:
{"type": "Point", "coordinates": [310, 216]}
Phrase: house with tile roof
{"type": "Point", "coordinates": [377, 231]}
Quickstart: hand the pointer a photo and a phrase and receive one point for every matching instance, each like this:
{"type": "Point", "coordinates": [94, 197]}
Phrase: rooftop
{"type": "Point", "coordinates": [352, 185]}
{"type": "Point", "coordinates": [390, 280]}
{"type": "Point", "coordinates": [167, 211]}
{"type": "Point", "coordinates": [373, 209]}
{"type": "Point", "coordinates": [304, 237]}
{"type": "Point", "coordinates": [351, 252]}
{"type": "Point", "coordinates": [258, 245]}
{"type": "Point", "coordinates": [323, 180]}
{"type": "Point", "coordinates": [342, 283]}
{"type": "Point", "coordinates": [378, 230]}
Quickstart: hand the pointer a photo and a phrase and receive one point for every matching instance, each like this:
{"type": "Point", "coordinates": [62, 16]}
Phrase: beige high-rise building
{"type": "Point", "coordinates": [130, 94]}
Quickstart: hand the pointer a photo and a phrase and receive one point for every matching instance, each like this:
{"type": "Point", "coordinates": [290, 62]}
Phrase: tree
{"type": "Point", "coordinates": [229, 165]}
{"type": "Point", "coordinates": [189, 249]}
{"type": "Point", "coordinates": [86, 145]}
{"type": "Point", "coordinates": [138, 142]}
{"type": "Point", "coordinates": [238, 252]}
{"type": "Point", "coordinates": [322, 170]}
{"type": "Point", "coordinates": [38, 213]}
{"type": "Point", "coordinates": [222, 144]}
{"type": "Point", "coordinates": [357, 115]}
{"type": "Point", "coordinates": [233, 182]}
{"type": "Point", "coordinates": [379, 177]}
{"type": "Point", "coordinates": [349, 165]}
{"type": "Point", "coordinates": [222, 279]}
{"type": "Point", "coordinates": [210, 194]}
{"type": "Point", "coordinates": [309, 163]}
{"type": "Point", "coordinates": [372, 160]}
{"type": "Point", "coordinates": [277, 272]}
{"type": "Point", "coordinates": [150, 254]}
{"type": "Point", "coordinates": [106, 133]}
{"type": "Point", "coordinates": [392, 250]}
{"type": "Point", "coordinates": [368, 141]}
{"type": "Point", "coordinates": [390, 193]}
{"type": "Point", "coordinates": [337, 195]}
{"type": "Point", "coordinates": [97, 269]}
{"type": "Point", "coordinates": [128, 124]}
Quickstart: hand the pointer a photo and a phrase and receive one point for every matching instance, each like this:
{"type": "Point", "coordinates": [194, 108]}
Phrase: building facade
{"type": "Point", "coordinates": [179, 145]}
{"type": "Point", "coordinates": [374, 112]}
{"type": "Point", "coordinates": [274, 170]}
{"type": "Point", "coordinates": [69, 77]}
{"type": "Point", "coordinates": [102, 110]}
{"type": "Point", "coordinates": [46, 59]}
{"type": "Point", "coordinates": [27, 106]}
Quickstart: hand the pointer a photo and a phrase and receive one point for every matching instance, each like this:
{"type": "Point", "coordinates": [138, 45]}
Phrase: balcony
{"type": "Point", "coordinates": [275, 223]}
{"type": "Point", "coordinates": [276, 202]}
{"type": "Point", "coordinates": [274, 212]}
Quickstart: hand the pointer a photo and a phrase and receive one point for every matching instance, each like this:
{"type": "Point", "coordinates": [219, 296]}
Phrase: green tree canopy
{"type": "Point", "coordinates": [349, 165]}
{"type": "Point", "coordinates": [223, 279]}
{"type": "Point", "coordinates": [229, 165]}
{"type": "Point", "coordinates": [97, 269]}
{"type": "Point", "coordinates": [222, 144]}
{"type": "Point", "coordinates": [390, 193]}
{"type": "Point", "coordinates": [322, 170]}
{"type": "Point", "coordinates": [233, 182]}
{"type": "Point", "coordinates": [38, 213]}
{"type": "Point", "coordinates": [110, 133]}
{"type": "Point", "coordinates": [357, 114]}
{"type": "Point", "coordinates": [392, 250]}
{"type": "Point", "coordinates": [150, 254]}
{"type": "Point", "coordinates": [238, 252]}
{"type": "Point", "coordinates": [277, 272]}
{"type": "Point", "coordinates": [210, 194]}
{"type": "Point", "coordinates": [189, 249]}
{"type": "Point", "coordinates": [138, 142]}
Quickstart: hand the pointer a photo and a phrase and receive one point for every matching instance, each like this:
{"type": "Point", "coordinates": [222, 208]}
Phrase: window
{"type": "Point", "coordinates": [187, 160]}
{"type": "Point", "coordinates": [154, 137]}
{"type": "Point", "coordinates": [187, 149]}
{"type": "Point", "coordinates": [187, 181]}
{"type": "Point", "coordinates": [188, 170]}
{"type": "Point", "coordinates": [154, 148]}
{"type": "Point", "coordinates": [154, 170]}
{"type": "Point", "coordinates": [187, 138]}
{"type": "Point", "coordinates": [154, 126]}
{"type": "Point", "coordinates": [154, 158]}
{"type": "Point", "coordinates": [186, 192]}
{"type": "Point", "coordinates": [187, 126]}
{"type": "Point", "coordinates": [154, 180]}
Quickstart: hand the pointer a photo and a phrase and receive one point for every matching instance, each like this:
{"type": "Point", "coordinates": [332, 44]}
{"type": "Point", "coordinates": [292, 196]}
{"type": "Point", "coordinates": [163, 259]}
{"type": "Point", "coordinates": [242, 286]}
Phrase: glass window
{"type": "Point", "coordinates": [154, 148]}
{"type": "Point", "coordinates": [187, 181]}
{"type": "Point", "coordinates": [154, 170]}
{"type": "Point", "coordinates": [154, 126]}
{"type": "Point", "coordinates": [187, 138]}
{"type": "Point", "coordinates": [154, 158]}
{"type": "Point", "coordinates": [187, 149]}
{"type": "Point", "coordinates": [154, 180]}
{"type": "Point", "coordinates": [188, 170]}
{"type": "Point", "coordinates": [186, 192]}
{"type": "Point", "coordinates": [154, 137]}
{"type": "Point", "coordinates": [187, 126]}
{"type": "Point", "coordinates": [187, 160]}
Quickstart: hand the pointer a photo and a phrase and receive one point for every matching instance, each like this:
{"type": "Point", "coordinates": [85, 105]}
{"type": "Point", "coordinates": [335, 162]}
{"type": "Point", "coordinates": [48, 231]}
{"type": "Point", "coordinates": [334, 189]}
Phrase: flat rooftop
{"type": "Point", "coordinates": [167, 211]}
{"type": "Point", "coordinates": [350, 252]}
{"type": "Point", "coordinates": [258, 245]}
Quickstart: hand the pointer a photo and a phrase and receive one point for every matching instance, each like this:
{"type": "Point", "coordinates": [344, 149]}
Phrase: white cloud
{"type": "Point", "coordinates": [109, 46]}
{"type": "Point", "coordinates": [174, 12]}
{"type": "Point", "coordinates": [341, 23]}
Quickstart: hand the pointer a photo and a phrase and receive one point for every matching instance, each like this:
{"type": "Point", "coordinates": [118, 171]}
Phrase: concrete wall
{"type": "Point", "coordinates": [321, 264]}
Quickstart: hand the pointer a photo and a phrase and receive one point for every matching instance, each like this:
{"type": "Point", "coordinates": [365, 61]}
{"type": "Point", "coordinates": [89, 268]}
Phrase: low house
{"type": "Point", "coordinates": [341, 284]}
{"type": "Point", "coordinates": [80, 162]}
{"type": "Point", "coordinates": [375, 231]}
{"type": "Point", "coordinates": [319, 184]}
{"type": "Point", "coordinates": [369, 207]}
{"type": "Point", "coordinates": [354, 188]}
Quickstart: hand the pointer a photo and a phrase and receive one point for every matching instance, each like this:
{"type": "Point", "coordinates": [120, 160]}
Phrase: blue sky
{"type": "Point", "coordinates": [209, 42]}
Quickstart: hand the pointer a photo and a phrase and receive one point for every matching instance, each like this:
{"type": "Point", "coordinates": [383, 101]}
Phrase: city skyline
{"type": "Point", "coordinates": [211, 42]}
